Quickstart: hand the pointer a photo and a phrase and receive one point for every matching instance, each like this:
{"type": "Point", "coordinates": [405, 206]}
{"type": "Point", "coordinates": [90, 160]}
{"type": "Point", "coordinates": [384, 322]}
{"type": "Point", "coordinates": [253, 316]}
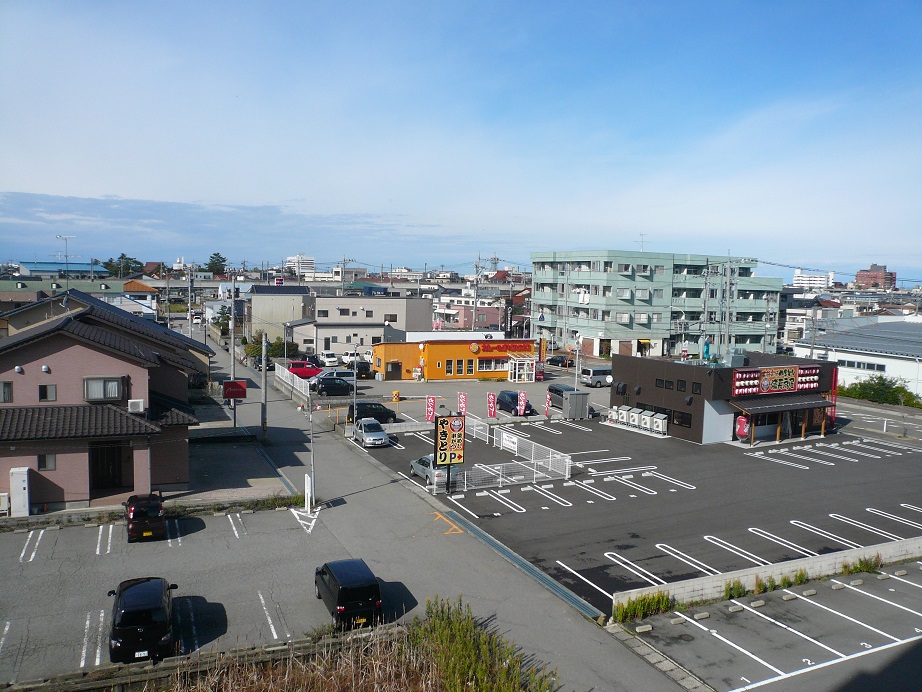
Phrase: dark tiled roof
{"type": "Point", "coordinates": [168, 412]}
{"type": "Point", "coordinates": [68, 422]}
{"type": "Point", "coordinates": [279, 290]}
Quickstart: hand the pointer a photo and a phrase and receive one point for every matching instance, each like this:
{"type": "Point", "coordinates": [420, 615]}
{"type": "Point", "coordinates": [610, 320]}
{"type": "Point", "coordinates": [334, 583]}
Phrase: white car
{"type": "Point", "coordinates": [434, 475]}
{"type": "Point", "coordinates": [369, 433]}
{"type": "Point", "coordinates": [350, 357]}
{"type": "Point", "coordinates": [329, 359]}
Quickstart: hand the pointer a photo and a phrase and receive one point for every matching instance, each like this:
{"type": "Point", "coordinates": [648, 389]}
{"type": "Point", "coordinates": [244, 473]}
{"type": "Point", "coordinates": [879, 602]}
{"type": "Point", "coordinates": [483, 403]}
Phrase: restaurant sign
{"type": "Point", "coordinates": [776, 380]}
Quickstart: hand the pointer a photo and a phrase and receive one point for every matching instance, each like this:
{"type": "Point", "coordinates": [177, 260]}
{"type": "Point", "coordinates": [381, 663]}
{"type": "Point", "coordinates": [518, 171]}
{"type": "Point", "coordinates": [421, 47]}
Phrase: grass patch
{"type": "Point", "coordinates": [870, 565]}
{"type": "Point", "coordinates": [734, 589]}
{"type": "Point", "coordinates": [759, 586]}
{"type": "Point", "coordinates": [786, 582]}
{"type": "Point", "coordinates": [801, 577]}
{"type": "Point", "coordinates": [643, 606]}
{"type": "Point", "coordinates": [262, 504]}
{"type": "Point", "coordinates": [770, 584]}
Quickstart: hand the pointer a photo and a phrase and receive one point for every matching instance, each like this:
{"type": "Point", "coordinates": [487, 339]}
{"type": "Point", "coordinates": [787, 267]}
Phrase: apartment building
{"type": "Point", "coordinates": [607, 302]}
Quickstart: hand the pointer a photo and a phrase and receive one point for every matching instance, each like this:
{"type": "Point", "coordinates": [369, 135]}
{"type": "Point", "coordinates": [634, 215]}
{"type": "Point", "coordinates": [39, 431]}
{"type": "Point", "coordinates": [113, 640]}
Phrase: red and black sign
{"type": "Point", "coordinates": [235, 389]}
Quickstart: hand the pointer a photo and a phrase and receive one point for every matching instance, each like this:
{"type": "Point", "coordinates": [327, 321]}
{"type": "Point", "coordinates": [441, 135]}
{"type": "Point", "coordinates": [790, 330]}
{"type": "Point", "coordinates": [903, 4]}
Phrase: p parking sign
{"type": "Point", "coordinates": [449, 440]}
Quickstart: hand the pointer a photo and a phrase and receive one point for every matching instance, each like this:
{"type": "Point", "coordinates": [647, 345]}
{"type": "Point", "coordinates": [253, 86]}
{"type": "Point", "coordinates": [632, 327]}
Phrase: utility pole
{"type": "Point", "coordinates": [233, 338]}
{"type": "Point", "coordinates": [189, 269]}
{"type": "Point", "coordinates": [65, 238]}
{"type": "Point", "coordinates": [343, 277]}
{"type": "Point", "coordinates": [264, 403]}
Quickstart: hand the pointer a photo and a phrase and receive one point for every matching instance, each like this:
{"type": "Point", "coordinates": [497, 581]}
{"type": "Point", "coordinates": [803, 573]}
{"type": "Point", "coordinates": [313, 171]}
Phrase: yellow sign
{"type": "Point", "coordinates": [449, 440]}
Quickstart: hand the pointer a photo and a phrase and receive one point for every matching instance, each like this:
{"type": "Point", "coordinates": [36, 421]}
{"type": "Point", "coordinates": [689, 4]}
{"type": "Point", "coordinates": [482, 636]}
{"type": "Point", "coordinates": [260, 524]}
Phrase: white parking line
{"type": "Point", "coordinates": [515, 507]}
{"type": "Point", "coordinates": [669, 479]}
{"type": "Point", "coordinates": [630, 484]}
{"type": "Point", "coordinates": [6, 628]}
{"type": "Point", "coordinates": [781, 541]}
{"type": "Point", "coordinates": [842, 615]}
{"type": "Point", "coordinates": [304, 518]}
{"type": "Point", "coordinates": [243, 530]}
{"type": "Point", "coordinates": [176, 535]}
{"type": "Point", "coordinates": [99, 540]}
{"type": "Point", "coordinates": [687, 559]}
{"type": "Point", "coordinates": [589, 488]}
{"type": "Point", "coordinates": [855, 451]}
{"type": "Point", "coordinates": [867, 527]}
{"type": "Point", "coordinates": [731, 644]}
{"type": "Point", "coordinates": [912, 507]}
{"type": "Point", "coordinates": [549, 495]}
{"type": "Point", "coordinates": [102, 622]}
{"type": "Point", "coordinates": [620, 471]}
{"type": "Point", "coordinates": [577, 574]}
{"type": "Point", "coordinates": [736, 550]}
{"type": "Point", "coordinates": [449, 497]}
{"type": "Point", "coordinates": [894, 517]}
{"type": "Point", "coordinates": [637, 570]}
{"type": "Point", "coordinates": [762, 455]}
{"type": "Point", "coordinates": [825, 534]}
{"type": "Point", "coordinates": [876, 598]}
{"type": "Point", "coordinates": [571, 424]}
{"type": "Point", "coordinates": [86, 639]}
{"type": "Point", "coordinates": [37, 541]}
{"type": "Point", "coordinates": [789, 629]}
{"type": "Point", "coordinates": [801, 456]}
{"type": "Point", "coordinates": [266, 611]}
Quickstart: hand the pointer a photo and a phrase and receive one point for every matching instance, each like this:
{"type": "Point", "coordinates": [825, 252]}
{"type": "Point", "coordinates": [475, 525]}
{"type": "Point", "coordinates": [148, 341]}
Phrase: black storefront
{"type": "Point", "coordinates": [757, 396]}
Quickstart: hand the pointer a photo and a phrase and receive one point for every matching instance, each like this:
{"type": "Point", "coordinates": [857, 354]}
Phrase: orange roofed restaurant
{"type": "Point", "coordinates": [508, 359]}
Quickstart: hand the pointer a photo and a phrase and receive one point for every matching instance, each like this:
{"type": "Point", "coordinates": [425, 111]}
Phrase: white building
{"type": "Point", "coordinates": [816, 281]}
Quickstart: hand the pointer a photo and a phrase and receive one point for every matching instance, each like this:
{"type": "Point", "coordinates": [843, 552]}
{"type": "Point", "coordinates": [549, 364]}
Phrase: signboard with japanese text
{"type": "Point", "coordinates": [775, 380]}
{"type": "Point", "coordinates": [491, 405]}
{"type": "Point", "coordinates": [235, 389]}
{"type": "Point", "coordinates": [462, 403]}
{"type": "Point", "coordinates": [547, 405]}
{"type": "Point", "coordinates": [430, 408]}
{"type": "Point", "coordinates": [449, 440]}
{"type": "Point", "coordinates": [523, 399]}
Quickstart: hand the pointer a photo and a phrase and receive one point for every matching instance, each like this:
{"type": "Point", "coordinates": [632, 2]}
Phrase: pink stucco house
{"type": "Point", "coordinates": [94, 401]}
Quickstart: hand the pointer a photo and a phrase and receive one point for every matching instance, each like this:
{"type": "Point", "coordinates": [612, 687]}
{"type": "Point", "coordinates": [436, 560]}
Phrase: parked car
{"type": "Point", "coordinates": [142, 620]}
{"type": "Point", "coordinates": [144, 516]}
{"type": "Point", "coordinates": [329, 359]}
{"type": "Point", "coordinates": [197, 319]}
{"type": "Point", "coordinates": [258, 365]}
{"type": "Point", "coordinates": [369, 433]}
{"type": "Point", "coordinates": [341, 373]}
{"type": "Point", "coordinates": [372, 409]}
{"type": "Point", "coordinates": [350, 591]}
{"type": "Point", "coordinates": [350, 357]}
{"type": "Point", "coordinates": [362, 369]}
{"type": "Point", "coordinates": [303, 369]}
{"type": "Point", "coordinates": [434, 475]}
{"type": "Point", "coordinates": [333, 386]}
{"type": "Point", "coordinates": [314, 360]}
{"type": "Point", "coordinates": [561, 361]}
{"type": "Point", "coordinates": [507, 400]}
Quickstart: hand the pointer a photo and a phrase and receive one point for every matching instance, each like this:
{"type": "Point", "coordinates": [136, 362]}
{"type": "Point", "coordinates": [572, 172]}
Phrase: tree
{"type": "Point", "coordinates": [217, 264]}
{"type": "Point", "coordinates": [881, 390]}
{"type": "Point", "coordinates": [123, 265]}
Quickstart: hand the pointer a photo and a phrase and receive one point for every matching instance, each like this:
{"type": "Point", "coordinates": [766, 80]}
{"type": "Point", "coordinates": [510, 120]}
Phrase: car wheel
{"type": "Point", "coordinates": [322, 392]}
{"type": "Point", "coordinates": [597, 384]}
{"type": "Point", "coordinates": [412, 470]}
{"type": "Point", "coordinates": [316, 590]}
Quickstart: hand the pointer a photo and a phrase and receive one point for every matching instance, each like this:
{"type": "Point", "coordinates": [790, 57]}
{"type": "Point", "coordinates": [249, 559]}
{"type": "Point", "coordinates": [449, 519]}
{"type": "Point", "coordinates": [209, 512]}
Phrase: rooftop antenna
{"type": "Point", "coordinates": [65, 238]}
{"type": "Point", "coordinates": [641, 241]}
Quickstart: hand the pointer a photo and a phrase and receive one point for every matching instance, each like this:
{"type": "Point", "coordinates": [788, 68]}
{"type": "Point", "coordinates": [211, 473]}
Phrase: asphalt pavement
{"type": "Point", "coordinates": [377, 517]}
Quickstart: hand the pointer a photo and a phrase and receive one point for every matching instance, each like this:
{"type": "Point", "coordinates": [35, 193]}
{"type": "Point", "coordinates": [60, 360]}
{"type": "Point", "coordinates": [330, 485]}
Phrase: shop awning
{"type": "Point", "coordinates": [780, 402]}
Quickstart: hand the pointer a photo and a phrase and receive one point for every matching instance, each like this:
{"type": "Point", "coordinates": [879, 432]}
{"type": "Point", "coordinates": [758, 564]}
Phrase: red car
{"type": "Point", "coordinates": [303, 369]}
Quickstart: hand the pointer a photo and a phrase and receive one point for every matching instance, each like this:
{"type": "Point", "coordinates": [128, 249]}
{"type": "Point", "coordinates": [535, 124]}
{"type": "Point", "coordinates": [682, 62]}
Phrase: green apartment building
{"type": "Point", "coordinates": [652, 303]}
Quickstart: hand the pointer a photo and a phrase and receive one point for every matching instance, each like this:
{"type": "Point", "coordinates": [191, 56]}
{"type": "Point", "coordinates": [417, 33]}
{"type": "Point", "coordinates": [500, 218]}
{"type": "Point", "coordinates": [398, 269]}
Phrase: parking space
{"type": "Point", "coordinates": [783, 636]}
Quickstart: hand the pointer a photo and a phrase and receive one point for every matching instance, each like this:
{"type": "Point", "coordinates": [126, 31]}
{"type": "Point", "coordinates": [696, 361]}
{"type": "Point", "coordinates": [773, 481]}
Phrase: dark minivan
{"type": "Point", "coordinates": [144, 517]}
{"type": "Point", "coordinates": [142, 620]}
{"type": "Point", "coordinates": [350, 592]}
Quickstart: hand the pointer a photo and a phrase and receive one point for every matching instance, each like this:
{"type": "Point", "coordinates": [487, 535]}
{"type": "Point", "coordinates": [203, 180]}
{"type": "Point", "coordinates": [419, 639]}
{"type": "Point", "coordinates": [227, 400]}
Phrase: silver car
{"type": "Point", "coordinates": [434, 475]}
{"type": "Point", "coordinates": [369, 433]}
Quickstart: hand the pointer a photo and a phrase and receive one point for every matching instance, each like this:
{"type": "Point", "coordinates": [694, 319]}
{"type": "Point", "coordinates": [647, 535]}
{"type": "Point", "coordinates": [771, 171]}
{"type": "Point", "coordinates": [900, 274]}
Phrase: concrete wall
{"type": "Point", "coordinates": [711, 588]}
{"type": "Point", "coordinates": [718, 421]}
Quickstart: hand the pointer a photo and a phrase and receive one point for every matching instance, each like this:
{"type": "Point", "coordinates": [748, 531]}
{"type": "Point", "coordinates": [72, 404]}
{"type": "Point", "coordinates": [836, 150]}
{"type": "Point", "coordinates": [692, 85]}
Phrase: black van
{"type": "Point", "coordinates": [350, 591]}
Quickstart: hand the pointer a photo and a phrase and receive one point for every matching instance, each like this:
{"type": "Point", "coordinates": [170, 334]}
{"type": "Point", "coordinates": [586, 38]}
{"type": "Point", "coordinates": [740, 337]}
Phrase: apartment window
{"type": "Point", "coordinates": [6, 392]}
{"type": "Point", "coordinates": [390, 317]}
{"type": "Point", "coordinates": [623, 318]}
{"type": "Point", "coordinates": [343, 312]}
{"type": "Point", "coordinates": [669, 384]}
{"type": "Point", "coordinates": [47, 392]}
{"type": "Point", "coordinates": [323, 313]}
{"type": "Point", "coordinates": [607, 267]}
{"type": "Point", "coordinates": [660, 383]}
{"type": "Point", "coordinates": [624, 293]}
{"type": "Point", "coordinates": [481, 317]}
{"type": "Point", "coordinates": [102, 388]}
{"type": "Point", "coordinates": [606, 315]}
{"type": "Point", "coordinates": [680, 385]}
{"type": "Point", "coordinates": [448, 367]}
{"type": "Point", "coordinates": [643, 268]}
{"type": "Point", "coordinates": [657, 317]}
{"type": "Point", "coordinates": [642, 317]}
{"type": "Point", "coordinates": [369, 314]}
{"type": "Point", "coordinates": [47, 462]}
{"type": "Point", "coordinates": [659, 269]}
{"type": "Point", "coordinates": [470, 366]}
{"type": "Point", "coordinates": [624, 268]}
{"type": "Point", "coordinates": [643, 294]}
{"type": "Point", "coordinates": [696, 388]}
{"type": "Point", "coordinates": [375, 340]}
{"type": "Point", "coordinates": [657, 293]}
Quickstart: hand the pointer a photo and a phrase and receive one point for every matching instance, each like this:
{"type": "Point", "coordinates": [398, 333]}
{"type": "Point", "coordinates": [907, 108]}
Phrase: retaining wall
{"type": "Point", "coordinates": [711, 588]}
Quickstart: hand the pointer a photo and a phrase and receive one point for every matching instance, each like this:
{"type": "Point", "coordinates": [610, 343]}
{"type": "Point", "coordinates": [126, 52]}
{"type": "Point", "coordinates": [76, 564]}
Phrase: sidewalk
{"type": "Point", "coordinates": [403, 532]}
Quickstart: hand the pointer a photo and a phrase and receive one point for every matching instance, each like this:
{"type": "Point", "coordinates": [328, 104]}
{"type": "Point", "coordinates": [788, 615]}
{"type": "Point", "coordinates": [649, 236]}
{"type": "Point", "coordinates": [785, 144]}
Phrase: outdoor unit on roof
{"type": "Point", "coordinates": [136, 406]}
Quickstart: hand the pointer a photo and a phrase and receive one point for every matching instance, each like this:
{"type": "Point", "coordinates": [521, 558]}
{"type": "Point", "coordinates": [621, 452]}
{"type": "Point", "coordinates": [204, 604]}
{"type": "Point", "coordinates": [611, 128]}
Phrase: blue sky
{"type": "Point", "coordinates": [428, 133]}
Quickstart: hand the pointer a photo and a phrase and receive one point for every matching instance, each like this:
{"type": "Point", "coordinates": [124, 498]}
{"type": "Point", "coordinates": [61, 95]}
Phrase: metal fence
{"type": "Point", "coordinates": [293, 381]}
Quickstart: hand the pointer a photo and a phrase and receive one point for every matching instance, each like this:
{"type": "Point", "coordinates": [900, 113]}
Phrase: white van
{"type": "Point", "coordinates": [595, 375]}
{"type": "Point", "coordinates": [329, 359]}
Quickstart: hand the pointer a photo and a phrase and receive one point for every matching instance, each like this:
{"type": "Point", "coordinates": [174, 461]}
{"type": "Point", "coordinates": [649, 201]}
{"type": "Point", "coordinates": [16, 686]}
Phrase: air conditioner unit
{"type": "Point", "coordinates": [646, 420]}
{"type": "Point", "coordinates": [136, 406]}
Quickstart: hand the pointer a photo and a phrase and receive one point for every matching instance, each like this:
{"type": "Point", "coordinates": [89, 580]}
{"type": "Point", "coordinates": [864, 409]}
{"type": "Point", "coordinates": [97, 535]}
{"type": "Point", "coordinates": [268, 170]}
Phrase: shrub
{"type": "Point", "coordinates": [734, 589]}
{"type": "Point", "coordinates": [871, 565]}
{"type": "Point", "coordinates": [800, 576]}
{"type": "Point", "coordinates": [643, 606]}
{"type": "Point", "coordinates": [759, 586]}
{"type": "Point", "coordinates": [786, 582]}
{"type": "Point", "coordinates": [770, 583]}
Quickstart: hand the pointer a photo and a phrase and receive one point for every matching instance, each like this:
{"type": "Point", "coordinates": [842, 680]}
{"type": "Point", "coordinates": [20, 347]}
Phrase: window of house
{"type": "Point", "coordinates": [657, 317]}
{"type": "Point", "coordinates": [6, 392]}
{"type": "Point", "coordinates": [624, 268]}
{"type": "Point", "coordinates": [390, 317]}
{"type": "Point", "coordinates": [323, 313]}
{"type": "Point", "coordinates": [623, 318]}
{"type": "Point", "coordinates": [369, 314]}
{"type": "Point", "coordinates": [643, 294]}
{"type": "Point", "coordinates": [682, 419]}
{"type": "Point", "coordinates": [624, 293]}
{"type": "Point", "coordinates": [657, 293]}
{"type": "Point", "coordinates": [102, 388]}
{"type": "Point", "coordinates": [459, 366]}
{"type": "Point", "coordinates": [680, 385]}
{"type": "Point", "coordinates": [376, 340]}
{"type": "Point", "coordinates": [696, 388]}
{"type": "Point", "coordinates": [448, 367]}
{"type": "Point", "coordinates": [47, 462]}
{"type": "Point", "coordinates": [660, 383]}
{"type": "Point", "coordinates": [47, 392]}
{"type": "Point", "coordinates": [659, 269]}
{"type": "Point", "coordinates": [343, 312]}
{"type": "Point", "coordinates": [669, 384]}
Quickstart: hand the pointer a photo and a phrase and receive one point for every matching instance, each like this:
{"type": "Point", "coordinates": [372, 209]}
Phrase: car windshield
{"type": "Point", "coordinates": [141, 618]}
{"type": "Point", "coordinates": [373, 427]}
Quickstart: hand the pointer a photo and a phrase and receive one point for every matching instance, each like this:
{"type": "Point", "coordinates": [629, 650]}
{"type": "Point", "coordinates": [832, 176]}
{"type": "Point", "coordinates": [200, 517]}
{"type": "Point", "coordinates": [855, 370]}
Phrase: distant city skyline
{"type": "Point", "coordinates": [417, 133]}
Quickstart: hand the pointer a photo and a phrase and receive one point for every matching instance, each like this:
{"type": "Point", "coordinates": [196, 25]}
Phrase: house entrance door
{"type": "Point", "coordinates": [106, 464]}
